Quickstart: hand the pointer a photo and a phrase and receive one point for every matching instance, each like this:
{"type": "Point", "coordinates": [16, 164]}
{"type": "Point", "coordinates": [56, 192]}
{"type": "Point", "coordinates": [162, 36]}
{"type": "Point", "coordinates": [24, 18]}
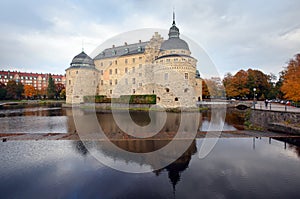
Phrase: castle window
{"type": "Point", "coordinates": [110, 82]}
{"type": "Point", "coordinates": [140, 58]}
{"type": "Point", "coordinates": [140, 84]}
{"type": "Point", "coordinates": [101, 64]}
{"type": "Point", "coordinates": [116, 81]}
{"type": "Point", "coordinates": [182, 51]}
{"type": "Point", "coordinates": [133, 90]}
{"type": "Point", "coordinates": [176, 60]}
{"type": "Point", "coordinates": [168, 60]}
{"type": "Point", "coordinates": [167, 90]}
{"type": "Point", "coordinates": [176, 99]}
{"type": "Point", "coordinates": [110, 71]}
{"type": "Point", "coordinates": [186, 76]}
{"type": "Point", "coordinates": [101, 72]}
{"type": "Point", "coordinates": [126, 61]}
{"type": "Point", "coordinates": [133, 80]}
{"type": "Point", "coordinates": [186, 90]}
{"type": "Point", "coordinates": [133, 69]}
{"type": "Point", "coordinates": [116, 62]}
{"type": "Point", "coordinates": [133, 60]}
{"type": "Point", "coordinates": [126, 70]}
{"type": "Point", "coordinates": [110, 91]}
{"type": "Point", "coordinates": [156, 57]}
{"type": "Point", "coordinates": [166, 76]}
{"type": "Point", "coordinates": [69, 82]}
{"type": "Point", "coordinates": [116, 71]}
{"type": "Point", "coordinates": [101, 82]}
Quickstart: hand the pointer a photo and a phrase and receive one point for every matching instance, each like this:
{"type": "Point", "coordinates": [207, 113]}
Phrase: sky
{"type": "Point", "coordinates": [44, 36]}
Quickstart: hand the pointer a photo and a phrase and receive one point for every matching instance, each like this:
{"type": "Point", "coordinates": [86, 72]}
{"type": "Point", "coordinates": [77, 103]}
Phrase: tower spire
{"type": "Point", "coordinates": [173, 16]}
{"type": "Point", "coordinates": [82, 46]}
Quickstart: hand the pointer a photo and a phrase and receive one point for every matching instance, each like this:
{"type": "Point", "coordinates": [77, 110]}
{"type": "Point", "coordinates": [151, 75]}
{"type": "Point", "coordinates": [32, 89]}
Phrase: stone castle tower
{"type": "Point", "coordinates": [161, 67]}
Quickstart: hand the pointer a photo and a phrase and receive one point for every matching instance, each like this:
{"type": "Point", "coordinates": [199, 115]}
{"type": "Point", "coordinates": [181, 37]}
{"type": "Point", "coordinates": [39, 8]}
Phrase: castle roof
{"type": "Point", "coordinates": [126, 49]}
{"type": "Point", "coordinates": [174, 42]}
{"type": "Point", "coordinates": [82, 60]}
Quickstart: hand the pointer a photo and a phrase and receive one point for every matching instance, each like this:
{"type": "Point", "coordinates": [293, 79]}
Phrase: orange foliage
{"type": "Point", "coordinates": [291, 80]}
{"type": "Point", "coordinates": [29, 91]}
{"type": "Point", "coordinates": [236, 86]}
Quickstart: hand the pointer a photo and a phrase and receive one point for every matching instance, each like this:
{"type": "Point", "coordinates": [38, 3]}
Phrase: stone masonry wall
{"type": "Point", "coordinates": [274, 119]}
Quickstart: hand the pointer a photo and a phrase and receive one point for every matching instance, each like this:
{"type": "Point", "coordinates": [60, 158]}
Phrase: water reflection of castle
{"type": "Point", "coordinates": [174, 169]}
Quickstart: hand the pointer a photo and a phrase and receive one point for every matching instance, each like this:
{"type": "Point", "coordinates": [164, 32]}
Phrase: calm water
{"type": "Point", "coordinates": [236, 168]}
{"type": "Point", "coordinates": [59, 120]}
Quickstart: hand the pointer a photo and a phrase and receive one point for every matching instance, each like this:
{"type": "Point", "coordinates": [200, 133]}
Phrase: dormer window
{"type": "Point", "coordinates": [126, 50]}
{"type": "Point", "coordinates": [139, 49]}
{"type": "Point", "coordinates": [113, 52]}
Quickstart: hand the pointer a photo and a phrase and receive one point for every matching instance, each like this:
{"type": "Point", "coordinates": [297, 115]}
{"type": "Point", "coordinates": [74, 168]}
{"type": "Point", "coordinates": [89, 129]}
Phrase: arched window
{"type": "Point", "coordinates": [167, 90]}
{"type": "Point", "coordinates": [176, 99]}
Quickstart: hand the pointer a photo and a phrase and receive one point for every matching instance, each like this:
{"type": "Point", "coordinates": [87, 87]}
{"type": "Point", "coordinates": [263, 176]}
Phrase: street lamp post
{"type": "Point", "coordinates": [254, 89]}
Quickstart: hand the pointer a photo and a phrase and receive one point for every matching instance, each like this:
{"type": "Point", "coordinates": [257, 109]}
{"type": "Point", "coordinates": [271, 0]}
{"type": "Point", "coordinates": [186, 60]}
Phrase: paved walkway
{"type": "Point", "coordinates": [276, 107]}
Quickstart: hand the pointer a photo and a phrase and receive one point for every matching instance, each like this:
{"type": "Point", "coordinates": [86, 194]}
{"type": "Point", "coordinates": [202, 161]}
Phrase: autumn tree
{"type": "Point", "coordinates": [236, 86]}
{"type": "Point", "coordinates": [58, 89]}
{"type": "Point", "coordinates": [62, 94]}
{"type": "Point", "coordinates": [291, 79]}
{"type": "Point", "coordinates": [212, 88]}
{"type": "Point", "coordinates": [29, 91]}
{"type": "Point", "coordinates": [205, 91]}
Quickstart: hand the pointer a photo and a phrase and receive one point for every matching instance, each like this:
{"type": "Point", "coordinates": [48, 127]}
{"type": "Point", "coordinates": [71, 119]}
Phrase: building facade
{"type": "Point", "coordinates": [161, 67]}
{"type": "Point", "coordinates": [38, 80]}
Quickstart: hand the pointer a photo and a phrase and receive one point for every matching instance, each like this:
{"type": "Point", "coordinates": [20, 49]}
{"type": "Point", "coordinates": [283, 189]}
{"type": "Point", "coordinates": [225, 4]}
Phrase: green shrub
{"type": "Point", "coordinates": [131, 99]}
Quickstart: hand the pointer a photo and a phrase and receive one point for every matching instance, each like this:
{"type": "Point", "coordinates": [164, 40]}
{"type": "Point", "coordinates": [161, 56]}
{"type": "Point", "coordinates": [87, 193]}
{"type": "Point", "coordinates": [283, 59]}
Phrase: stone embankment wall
{"type": "Point", "coordinates": [287, 122]}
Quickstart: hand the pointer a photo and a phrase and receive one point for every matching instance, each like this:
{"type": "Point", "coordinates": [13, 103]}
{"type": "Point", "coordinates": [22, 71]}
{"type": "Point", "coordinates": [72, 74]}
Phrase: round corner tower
{"type": "Point", "coordinates": [81, 79]}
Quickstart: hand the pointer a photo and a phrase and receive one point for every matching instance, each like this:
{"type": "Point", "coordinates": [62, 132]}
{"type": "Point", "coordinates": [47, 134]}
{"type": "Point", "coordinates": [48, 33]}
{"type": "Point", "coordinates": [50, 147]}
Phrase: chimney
{"type": "Point", "coordinates": [140, 41]}
{"type": "Point", "coordinates": [113, 45]}
{"type": "Point", "coordinates": [125, 43]}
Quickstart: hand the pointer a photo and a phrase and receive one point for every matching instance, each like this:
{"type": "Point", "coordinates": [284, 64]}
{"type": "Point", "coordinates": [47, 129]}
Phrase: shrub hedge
{"type": "Point", "coordinates": [132, 99]}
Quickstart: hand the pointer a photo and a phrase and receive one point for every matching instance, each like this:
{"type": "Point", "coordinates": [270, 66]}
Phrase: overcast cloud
{"type": "Point", "coordinates": [40, 36]}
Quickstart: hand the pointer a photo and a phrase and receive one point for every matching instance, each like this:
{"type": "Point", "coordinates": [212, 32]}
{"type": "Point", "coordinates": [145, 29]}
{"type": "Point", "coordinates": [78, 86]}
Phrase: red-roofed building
{"type": "Point", "coordinates": [38, 80]}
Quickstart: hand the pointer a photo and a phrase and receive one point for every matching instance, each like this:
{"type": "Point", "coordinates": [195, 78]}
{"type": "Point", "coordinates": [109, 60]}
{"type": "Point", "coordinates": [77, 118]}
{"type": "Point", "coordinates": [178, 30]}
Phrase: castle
{"type": "Point", "coordinates": [164, 68]}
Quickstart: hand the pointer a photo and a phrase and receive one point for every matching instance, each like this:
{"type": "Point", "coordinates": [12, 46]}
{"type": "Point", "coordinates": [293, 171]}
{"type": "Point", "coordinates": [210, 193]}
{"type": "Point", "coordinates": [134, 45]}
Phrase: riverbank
{"type": "Point", "coordinates": [22, 103]}
{"type": "Point", "coordinates": [108, 107]}
{"type": "Point", "coordinates": [119, 136]}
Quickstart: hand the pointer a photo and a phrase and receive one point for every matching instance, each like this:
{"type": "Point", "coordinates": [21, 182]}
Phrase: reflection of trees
{"type": "Point", "coordinates": [234, 117]}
